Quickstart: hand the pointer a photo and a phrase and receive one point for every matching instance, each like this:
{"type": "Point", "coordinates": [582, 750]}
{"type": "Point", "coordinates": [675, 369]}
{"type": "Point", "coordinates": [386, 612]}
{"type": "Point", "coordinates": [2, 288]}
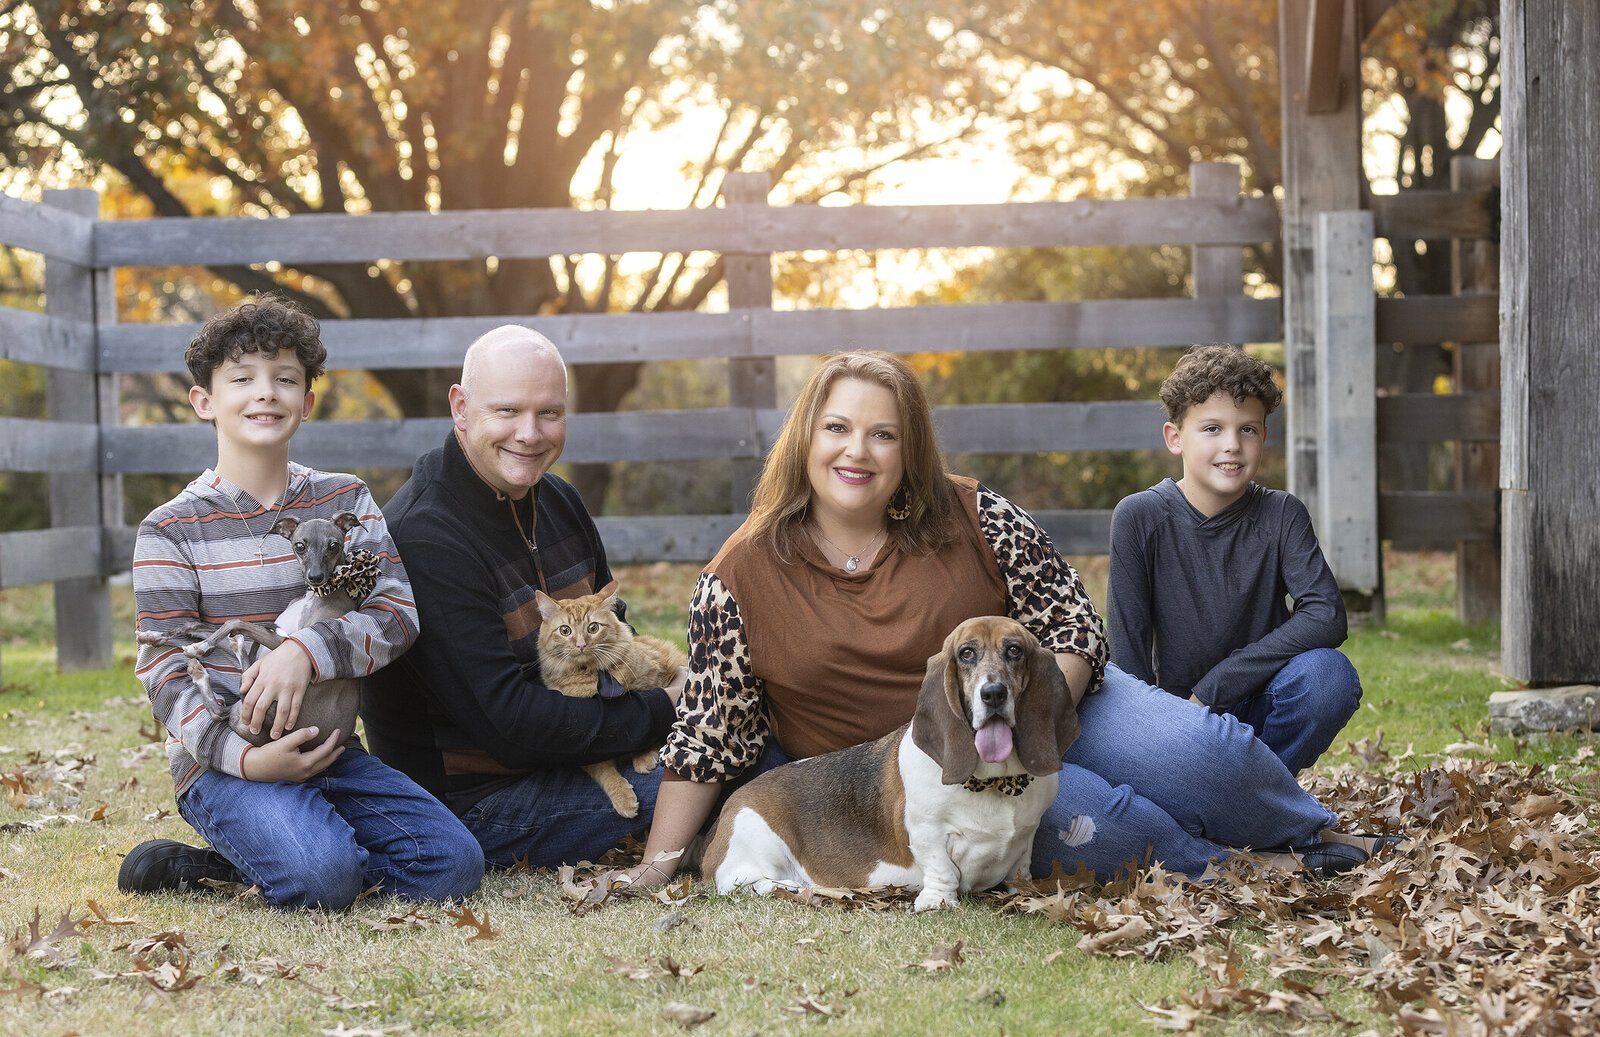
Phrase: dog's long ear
{"type": "Point", "coordinates": [346, 520]}
{"type": "Point", "coordinates": [940, 726]}
{"type": "Point", "coordinates": [1047, 722]}
{"type": "Point", "coordinates": [284, 527]}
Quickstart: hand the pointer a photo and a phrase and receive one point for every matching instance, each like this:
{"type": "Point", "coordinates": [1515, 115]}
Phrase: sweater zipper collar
{"type": "Point", "coordinates": [531, 534]}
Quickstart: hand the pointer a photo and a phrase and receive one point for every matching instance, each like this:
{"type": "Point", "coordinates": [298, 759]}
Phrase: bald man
{"type": "Point", "coordinates": [481, 525]}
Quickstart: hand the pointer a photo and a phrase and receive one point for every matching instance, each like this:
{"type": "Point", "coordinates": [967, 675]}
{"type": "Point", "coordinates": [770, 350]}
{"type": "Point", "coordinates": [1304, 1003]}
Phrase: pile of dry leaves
{"type": "Point", "coordinates": [1486, 921]}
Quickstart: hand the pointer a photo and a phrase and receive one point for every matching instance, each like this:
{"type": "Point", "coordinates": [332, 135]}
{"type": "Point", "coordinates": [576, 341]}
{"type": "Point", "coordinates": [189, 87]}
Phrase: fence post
{"type": "Point", "coordinates": [1475, 267]}
{"type": "Point", "coordinates": [1321, 173]}
{"type": "Point", "coordinates": [752, 380]}
{"type": "Point", "coordinates": [83, 606]}
{"type": "Point", "coordinates": [1550, 370]}
{"type": "Point", "coordinates": [1217, 270]}
{"type": "Point", "coordinates": [1347, 469]}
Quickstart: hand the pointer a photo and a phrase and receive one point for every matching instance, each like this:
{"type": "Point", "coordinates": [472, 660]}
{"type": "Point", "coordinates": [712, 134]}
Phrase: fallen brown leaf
{"type": "Point", "coordinates": [101, 918]}
{"type": "Point", "coordinates": [465, 919]}
{"type": "Point", "coordinates": [685, 1014]}
{"type": "Point", "coordinates": [940, 959]}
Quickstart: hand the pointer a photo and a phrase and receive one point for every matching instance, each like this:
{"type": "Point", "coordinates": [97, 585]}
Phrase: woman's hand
{"type": "Point", "coordinates": [652, 873]}
{"type": "Point", "coordinates": [675, 689]}
{"type": "Point", "coordinates": [681, 809]}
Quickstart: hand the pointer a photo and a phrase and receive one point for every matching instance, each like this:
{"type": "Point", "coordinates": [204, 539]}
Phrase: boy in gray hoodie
{"type": "Point", "coordinates": [1204, 570]}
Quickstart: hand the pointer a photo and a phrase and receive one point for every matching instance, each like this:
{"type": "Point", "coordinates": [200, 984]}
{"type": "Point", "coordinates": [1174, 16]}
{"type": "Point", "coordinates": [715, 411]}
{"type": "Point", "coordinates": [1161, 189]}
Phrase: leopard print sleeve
{"type": "Point", "coordinates": [1044, 593]}
{"type": "Point", "coordinates": [721, 727]}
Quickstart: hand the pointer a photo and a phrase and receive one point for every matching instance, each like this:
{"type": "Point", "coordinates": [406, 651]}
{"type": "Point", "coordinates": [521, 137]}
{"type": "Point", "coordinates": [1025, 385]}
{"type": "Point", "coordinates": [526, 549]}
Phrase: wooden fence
{"type": "Point", "coordinates": [79, 339]}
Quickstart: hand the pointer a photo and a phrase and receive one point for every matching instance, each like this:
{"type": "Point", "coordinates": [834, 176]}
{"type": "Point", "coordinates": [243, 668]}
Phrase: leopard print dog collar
{"type": "Point", "coordinates": [356, 577]}
{"type": "Point", "coordinates": [1010, 785]}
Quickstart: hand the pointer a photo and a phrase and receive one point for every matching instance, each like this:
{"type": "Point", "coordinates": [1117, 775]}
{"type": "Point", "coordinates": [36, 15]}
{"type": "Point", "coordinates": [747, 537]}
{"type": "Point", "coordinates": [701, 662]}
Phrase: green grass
{"type": "Point", "coordinates": [549, 971]}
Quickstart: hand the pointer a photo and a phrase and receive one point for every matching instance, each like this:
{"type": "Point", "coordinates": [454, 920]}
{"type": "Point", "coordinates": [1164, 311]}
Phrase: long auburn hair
{"type": "Point", "coordinates": [782, 499]}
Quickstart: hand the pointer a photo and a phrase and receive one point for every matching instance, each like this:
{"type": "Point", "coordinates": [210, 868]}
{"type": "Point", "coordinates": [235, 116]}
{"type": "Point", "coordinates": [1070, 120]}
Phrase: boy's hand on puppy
{"type": "Point", "coordinates": [281, 677]}
{"type": "Point", "coordinates": [283, 760]}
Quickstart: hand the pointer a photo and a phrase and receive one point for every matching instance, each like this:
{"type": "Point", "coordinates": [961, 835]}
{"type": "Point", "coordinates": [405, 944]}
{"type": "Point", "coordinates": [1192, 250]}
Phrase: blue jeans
{"type": "Point", "coordinates": [557, 817]}
{"type": "Point", "coordinates": [1155, 777]}
{"type": "Point", "coordinates": [1305, 706]}
{"type": "Point", "coordinates": [360, 823]}
{"type": "Point", "coordinates": [561, 817]}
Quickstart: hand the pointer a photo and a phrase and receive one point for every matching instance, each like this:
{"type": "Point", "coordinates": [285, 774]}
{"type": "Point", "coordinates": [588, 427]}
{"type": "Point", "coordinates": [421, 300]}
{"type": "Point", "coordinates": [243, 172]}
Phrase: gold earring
{"type": "Point", "coordinates": [900, 504]}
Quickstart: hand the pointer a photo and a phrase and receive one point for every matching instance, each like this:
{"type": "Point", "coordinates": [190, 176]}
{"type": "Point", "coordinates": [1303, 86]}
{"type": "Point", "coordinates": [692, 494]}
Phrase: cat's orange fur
{"type": "Point", "coordinates": [581, 636]}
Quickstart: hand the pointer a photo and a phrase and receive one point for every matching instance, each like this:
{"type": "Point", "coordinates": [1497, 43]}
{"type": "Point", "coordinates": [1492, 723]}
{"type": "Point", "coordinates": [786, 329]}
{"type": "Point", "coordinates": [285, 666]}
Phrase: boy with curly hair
{"type": "Point", "coordinates": [309, 817]}
{"type": "Point", "coordinates": [1218, 590]}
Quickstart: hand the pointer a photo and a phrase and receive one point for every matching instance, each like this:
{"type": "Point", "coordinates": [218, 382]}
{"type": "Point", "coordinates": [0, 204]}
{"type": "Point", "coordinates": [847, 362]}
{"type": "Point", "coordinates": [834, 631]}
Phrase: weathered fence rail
{"type": "Point", "coordinates": [80, 340]}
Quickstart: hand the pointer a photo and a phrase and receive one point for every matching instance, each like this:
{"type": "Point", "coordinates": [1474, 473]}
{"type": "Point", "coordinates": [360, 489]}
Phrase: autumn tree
{"type": "Point", "coordinates": [357, 105]}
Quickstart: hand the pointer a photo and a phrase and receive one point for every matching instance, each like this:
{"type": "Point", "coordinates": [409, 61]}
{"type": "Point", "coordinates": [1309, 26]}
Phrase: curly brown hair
{"type": "Point", "coordinates": [782, 500]}
{"type": "Point", "coordinates": [267, 324]}
{"type": "Point", "coordinates": [1205, 371]}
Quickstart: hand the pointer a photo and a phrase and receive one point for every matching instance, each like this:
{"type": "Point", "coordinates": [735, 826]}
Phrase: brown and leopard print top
{"type": "Point", "coordinates": [820, 659]}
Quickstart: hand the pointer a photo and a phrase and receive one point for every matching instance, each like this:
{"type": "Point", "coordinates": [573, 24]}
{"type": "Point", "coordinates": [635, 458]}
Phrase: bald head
{"type": "Point", "coordinates": [510, 408]}
{"type": "Point", "coordinates": [508, 344]}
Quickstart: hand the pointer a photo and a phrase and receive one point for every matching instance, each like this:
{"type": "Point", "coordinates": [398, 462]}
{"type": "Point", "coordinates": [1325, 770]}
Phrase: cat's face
{"type": "Point", "coordinates": [575, 627]}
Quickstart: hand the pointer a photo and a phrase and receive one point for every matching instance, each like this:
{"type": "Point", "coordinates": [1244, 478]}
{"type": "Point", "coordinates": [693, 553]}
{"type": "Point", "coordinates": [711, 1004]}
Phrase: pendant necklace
{"type": "Point", "coordinates": [261, 550]}
{"type": "Point", "coordinates": [852, 562]}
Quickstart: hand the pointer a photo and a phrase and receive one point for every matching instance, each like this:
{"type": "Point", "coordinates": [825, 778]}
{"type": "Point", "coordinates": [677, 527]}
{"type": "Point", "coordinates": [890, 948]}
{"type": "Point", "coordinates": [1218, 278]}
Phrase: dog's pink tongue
{"type": "Point", "coordinates": [994, 741]}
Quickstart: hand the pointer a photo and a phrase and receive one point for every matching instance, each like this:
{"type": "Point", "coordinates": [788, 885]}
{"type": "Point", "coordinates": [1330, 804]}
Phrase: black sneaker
{"type": "Point", "coordinates": [1328, 859]}
{"type": "Point", "coordinates": [168, 864]}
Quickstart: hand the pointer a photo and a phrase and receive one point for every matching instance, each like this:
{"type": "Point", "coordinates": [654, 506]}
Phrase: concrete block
{"type": "Point", "coordinates": [1544, 709]}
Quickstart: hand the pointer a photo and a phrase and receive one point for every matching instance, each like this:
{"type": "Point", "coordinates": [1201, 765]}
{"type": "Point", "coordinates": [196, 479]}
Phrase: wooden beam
{"type": "Point", "coordinates": [629, 540]}
{"type": "Point", "coordinates": [1467, 317]}
{"type": "Point", "coordinates": [82, 606]}
{"type": "Point", "coordinates": [1435, 215]}
{"type": "Point", "coordinates": [1347, 461]}
{"type": "Point", "coordinates": [1475, 267]}
{"type": "Point", "coordinates": [735, 432]}
{"type": "Point", "coordinates": [52, 555]}
{"type": "Point", "coordinates": [65, 234]}
{"type": "Point", "coordinates": [1550, 321]}
{"type": "Point", "coordinates": [1321, 173]}
{"type": "Point", "coordinates": [37, 338]}
{"type": "Point", "coordinates": [1442, 418]}
{"type": "Point", "coordinates": [610, 337]}
{"type": "Point", "coordinates": [536, 233]}
{"type": "Point", "coordinates": [29, 445]}
{"type": "Point", "coordinates": [1216, 270]}
{"type": "Point", "coordinates": [1325, 42]}
{"type": "Point", "coordinates": [752, 381]}
{"type": "Point", "coordinates": [1371, 11]}
{"type": "Point", "coordinates": [1420, 521]}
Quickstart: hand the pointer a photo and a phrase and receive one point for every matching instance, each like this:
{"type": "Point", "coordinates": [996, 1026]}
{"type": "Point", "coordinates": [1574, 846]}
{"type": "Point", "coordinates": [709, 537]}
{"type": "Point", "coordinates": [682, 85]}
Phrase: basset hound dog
{"type": "Point", "coordinates": [946, 804]}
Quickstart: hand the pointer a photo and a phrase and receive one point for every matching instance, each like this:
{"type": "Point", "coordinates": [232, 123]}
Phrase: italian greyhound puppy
{"type": "Point", "coordinates": [319, 544]}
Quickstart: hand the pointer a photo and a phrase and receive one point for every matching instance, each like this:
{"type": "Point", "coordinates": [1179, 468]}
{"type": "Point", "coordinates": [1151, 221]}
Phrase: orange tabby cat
{"type": "Point", "coordinates": [581, 636]}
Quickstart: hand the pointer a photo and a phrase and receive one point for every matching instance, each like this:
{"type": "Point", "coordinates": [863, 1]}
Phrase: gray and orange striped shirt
{"type": "Point", "coordinates": [196, 559]}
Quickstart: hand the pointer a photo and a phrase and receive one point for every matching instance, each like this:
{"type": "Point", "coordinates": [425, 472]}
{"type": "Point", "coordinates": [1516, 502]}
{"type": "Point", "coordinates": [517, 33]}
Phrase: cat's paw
{"type": "Point", "coordinates": [625, 805]}
{"type": "Point", "coordinates": [646, 761]}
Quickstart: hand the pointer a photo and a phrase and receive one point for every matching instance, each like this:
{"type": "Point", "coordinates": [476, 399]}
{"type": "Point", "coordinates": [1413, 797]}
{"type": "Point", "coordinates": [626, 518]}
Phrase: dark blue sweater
{"type": "Point", "coordinates": [463, 712]}
{"type": "Point", "coordinates": [1201, 605]}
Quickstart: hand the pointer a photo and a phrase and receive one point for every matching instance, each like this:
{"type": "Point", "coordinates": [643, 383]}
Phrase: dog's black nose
{"type": "Point", "coordinates": [992, 693]}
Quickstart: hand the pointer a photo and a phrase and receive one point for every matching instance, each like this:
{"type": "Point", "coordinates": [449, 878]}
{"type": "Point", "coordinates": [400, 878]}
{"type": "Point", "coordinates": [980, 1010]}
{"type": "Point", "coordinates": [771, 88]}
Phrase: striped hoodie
{"type": "Point", "coordinates": [196, 559]}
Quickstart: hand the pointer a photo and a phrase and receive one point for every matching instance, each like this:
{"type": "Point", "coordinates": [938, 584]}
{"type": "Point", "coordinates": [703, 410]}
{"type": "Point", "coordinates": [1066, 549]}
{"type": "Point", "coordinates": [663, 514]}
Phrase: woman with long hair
{"type": "Point", "coordinates": [811, 629]}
